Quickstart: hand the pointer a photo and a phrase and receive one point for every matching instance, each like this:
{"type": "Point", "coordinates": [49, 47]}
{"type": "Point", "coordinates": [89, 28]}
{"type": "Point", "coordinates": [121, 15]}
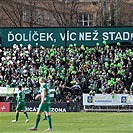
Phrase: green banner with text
{"type": "Point", "coordinates": [63, 36]}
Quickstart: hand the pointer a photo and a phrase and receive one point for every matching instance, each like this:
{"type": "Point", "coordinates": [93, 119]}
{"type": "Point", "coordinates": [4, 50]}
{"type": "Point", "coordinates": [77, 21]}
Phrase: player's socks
{"type": "Point", "coordinates": [49, 121]}
{"type": "Point", "coordinates": [26, 115]}
{"type": "Point", "coordinates": [45, 117]}
{"type": "Point", "coordinates": [37, 120]}
{"type": "Point", "coordinates": [17, 115]}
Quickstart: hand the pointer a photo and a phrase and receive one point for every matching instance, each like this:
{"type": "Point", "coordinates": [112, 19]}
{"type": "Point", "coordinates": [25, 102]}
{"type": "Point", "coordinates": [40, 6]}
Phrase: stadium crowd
{"type": "Point", "coordinates": [99, 69]}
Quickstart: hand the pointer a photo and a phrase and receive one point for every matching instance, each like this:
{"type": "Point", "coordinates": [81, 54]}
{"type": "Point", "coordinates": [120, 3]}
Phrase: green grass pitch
{"type": "Point", "coordinates": [81, 122]}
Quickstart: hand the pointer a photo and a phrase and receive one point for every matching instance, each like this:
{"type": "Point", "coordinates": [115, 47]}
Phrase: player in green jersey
{"type": "Point", "coordinates": [21, 104]}
{"type": "Point", "coordinates": [44, 105]}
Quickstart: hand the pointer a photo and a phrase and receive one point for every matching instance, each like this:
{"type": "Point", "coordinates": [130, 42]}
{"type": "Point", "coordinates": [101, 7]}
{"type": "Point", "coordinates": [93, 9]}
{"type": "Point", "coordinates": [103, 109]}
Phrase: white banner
{"type": "Point", "coordinates": [107, 99]}
{"type": "Point", "coordinates": [23, 89]}
{"type": "Point", "coordinates": [3, 90]}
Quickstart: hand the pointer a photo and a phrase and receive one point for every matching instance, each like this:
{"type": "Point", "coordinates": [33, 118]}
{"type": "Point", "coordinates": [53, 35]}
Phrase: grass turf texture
{"type": "Point", "coordinates": [71, 123]}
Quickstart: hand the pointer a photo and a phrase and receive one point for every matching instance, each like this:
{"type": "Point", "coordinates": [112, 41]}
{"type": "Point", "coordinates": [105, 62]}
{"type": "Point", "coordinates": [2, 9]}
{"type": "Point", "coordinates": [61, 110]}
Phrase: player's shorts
{"type": "Point", "coordinates": [21, 106]}
{"type": "Point", "coordinates": [44, 107]}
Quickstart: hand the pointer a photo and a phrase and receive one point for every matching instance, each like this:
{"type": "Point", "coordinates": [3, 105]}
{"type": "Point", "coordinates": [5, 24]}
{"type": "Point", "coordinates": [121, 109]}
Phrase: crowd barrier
{"type": "Point", "coordinates": [33, 106]}
{"type": "Point", "coordinates": [99, 102]}
{"type": "Point", "coordinates": [108, 102]}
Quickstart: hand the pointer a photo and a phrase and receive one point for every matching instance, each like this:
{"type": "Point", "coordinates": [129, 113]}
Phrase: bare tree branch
{"type": "Point", "coordinates": [65, 13]}
{"type": "Point", "coordinates": [114, 12]}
